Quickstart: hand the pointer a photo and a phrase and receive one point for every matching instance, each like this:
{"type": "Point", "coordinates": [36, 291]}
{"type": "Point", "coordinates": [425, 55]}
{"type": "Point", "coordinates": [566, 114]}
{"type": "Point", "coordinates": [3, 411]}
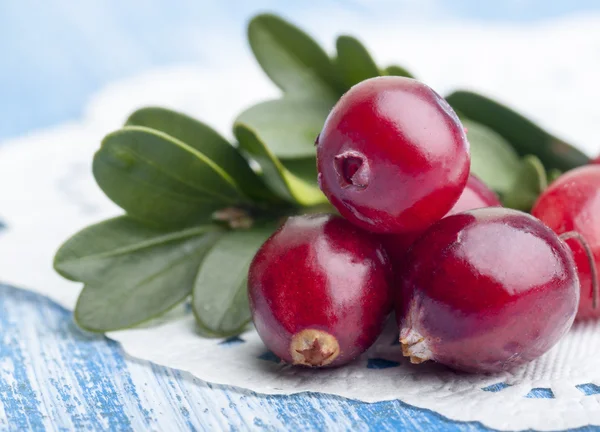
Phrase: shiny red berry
{"type": "Point", "coordinates": [595, 161]}
{"type": "Point", "coordinates": [393, 156]}
{"type": "Point", "coordinates": [475, 195]}
{"type": "Point", "coordinates": [485, 291]}
{"type": "Point", "coordinates": [572, 204]}
{"type": "Point", "coordinates": [319, 291]}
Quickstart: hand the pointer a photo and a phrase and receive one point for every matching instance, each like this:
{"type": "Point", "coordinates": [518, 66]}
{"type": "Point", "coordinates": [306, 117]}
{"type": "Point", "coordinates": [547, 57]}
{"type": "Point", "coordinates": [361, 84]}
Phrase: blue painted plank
{"type": "Point", "coordinates": [53, 376]}
{"type": "Point", "coordinates": [540, 393]}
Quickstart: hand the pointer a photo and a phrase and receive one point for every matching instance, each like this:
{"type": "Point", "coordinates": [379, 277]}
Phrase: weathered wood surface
{"type": "Point", "coordinates": [55, 377]}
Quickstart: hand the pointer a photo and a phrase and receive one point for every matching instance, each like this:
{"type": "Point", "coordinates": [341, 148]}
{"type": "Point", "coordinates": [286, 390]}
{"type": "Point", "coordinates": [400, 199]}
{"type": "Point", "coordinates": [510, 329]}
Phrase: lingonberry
{"type": "Point", "coordinates": [392, 156]}
{"type": "Point", "coordinates": [486, 290]}
{"type": "Point", "coordinates": [475, 195]}
{"type": "Point", "coordinates": [572, 204]}
{"type": "Point", "coordinates": [320, 291]}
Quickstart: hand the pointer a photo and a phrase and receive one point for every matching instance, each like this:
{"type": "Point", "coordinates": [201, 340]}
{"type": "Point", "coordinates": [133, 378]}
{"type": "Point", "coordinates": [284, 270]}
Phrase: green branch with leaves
{"type": "Point", "coordinates": [196, 210]}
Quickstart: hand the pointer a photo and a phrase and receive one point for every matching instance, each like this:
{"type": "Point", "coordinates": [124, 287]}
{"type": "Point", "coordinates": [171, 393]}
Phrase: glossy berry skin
{"type": "Point", "coordinates": [572, 203]}
{"type": "Point", "coordinates": [393, 156]}
{"type": "Point", "coordinates": [486, 290]}
{"type": "Point", "coordinates": [320, 291]}
{"type": "Point", "coordinates": [475, 195]}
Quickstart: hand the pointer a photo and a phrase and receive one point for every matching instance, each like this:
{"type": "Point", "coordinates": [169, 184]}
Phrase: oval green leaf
{"type": "Point", "coordinates": [525, 136]}
{"type": "Point", "coordinates": [493, 159]}
{"type": "Point", "coordinates": [288, 127]}
{"type": "Point", "coordinates": [292, 59]}
{"type": "Point", "coordinates": [83, 257]}
{"type": "Point", "coordinates": [207, 141]}
{"type": "Point", "coordinates": [220, 299]}
{"type": "Point", "coordinates": [394, 70]}
{"type": "Point", "coordinates": [161, 180]}
{"type": "Point", "coordinates": [554, 174]}
{"type": "Point", "coordinates": [305, 169]}
{"type": "Point", "coordinates": [285, 184]}
{"type": "Point", "coordinates": [132, 273]}
{"type": "Point", "coordinates": [530, 182]}
{"type": "Point", "coordinates": [354, 63]}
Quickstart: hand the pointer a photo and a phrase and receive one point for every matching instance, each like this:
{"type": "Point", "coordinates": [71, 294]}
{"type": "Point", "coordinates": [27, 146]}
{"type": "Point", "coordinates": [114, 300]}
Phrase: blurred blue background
{"type": "Point", "coordinates": [56, 53]}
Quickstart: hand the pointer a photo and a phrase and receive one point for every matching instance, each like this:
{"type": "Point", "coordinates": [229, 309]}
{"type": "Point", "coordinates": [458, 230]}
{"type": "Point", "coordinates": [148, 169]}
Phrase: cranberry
{"type": "Point", "coordinates": [486, 290]}
{"type": "Point", "coordinates": [393, 156]}
{"type": "Point", "coordinates": [572, 203]}
{"type": "Point", "coordinates": [475, 195]}
{"type": "Point", "coordinates": [319, 291]}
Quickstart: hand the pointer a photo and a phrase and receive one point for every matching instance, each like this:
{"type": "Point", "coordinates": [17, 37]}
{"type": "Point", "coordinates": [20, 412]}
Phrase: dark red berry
{"type": "Point", "coordinates": [319, 291]}
{"type": "Point", "coordinates": [475, 195]}
{"type": "Point", "coordinates": [393, 156]}
{"type": "Point", "coordinates": [595, 161]}
{"type": "Point", "coordinates": [486, 290]}
{"type": "Point", "coordinates": [572, 203]}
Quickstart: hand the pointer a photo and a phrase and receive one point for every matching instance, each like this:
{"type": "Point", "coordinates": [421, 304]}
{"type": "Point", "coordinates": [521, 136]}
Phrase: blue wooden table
{"type": "Point", "coordinates": [53, 376]}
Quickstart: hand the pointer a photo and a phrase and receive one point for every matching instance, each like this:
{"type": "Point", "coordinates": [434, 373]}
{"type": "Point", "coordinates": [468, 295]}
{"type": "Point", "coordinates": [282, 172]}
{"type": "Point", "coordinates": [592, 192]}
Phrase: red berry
{"type": "Point", "coordinates": [319, 291]}
{"type": "Point", "coordinates": [486, 290]}
{"type": "Point", "coordinates": [595, 161]}
{"type": "Point", "coordinates": [475, 195]}
{"type": "Point", "coordinates": [572, 203]}
{"type": "Point", "coordinates": [393, 156]}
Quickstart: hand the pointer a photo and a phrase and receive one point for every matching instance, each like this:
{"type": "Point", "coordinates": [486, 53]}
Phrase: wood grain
{"type": "Point", "coordinates": [55, 377]}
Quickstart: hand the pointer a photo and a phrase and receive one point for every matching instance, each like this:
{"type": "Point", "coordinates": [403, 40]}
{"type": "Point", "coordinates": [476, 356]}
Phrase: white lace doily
{"type": "Point", "coordinates": [47, 193]}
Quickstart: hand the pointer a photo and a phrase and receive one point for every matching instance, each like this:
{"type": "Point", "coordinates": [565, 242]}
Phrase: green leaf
{"type": "Point", "coordinates": [287, 185]}
{"type": "Point", "coordinates": [292, 59]}
{"type": "Point", "coordinates": [529, 183]}
{"type": "Point", "coordinates": [207, 141]}
{"type": "Point", "coordinates": [220, 298]}
{"type": "Point", "coordinates": [78, 258]}
{"type": "Point", "coordinates": [288, 127]}
{"type": "Point", "coordinates": [394, 70]}
{"type": "Point", "coordinates": [525, 136]}
{"type": "Point", "coordinates": [553, 174]}
{"type": "Point", "coordinates": [305, 169]}
{"type": "Point", "coordinates": [132, 273]}
{"type": "Point", "coordinates": [493, 160]}
{"type": "Point", "coordinates": [161, 180]}
{"type": "Point", "coordinates": [354, 63]}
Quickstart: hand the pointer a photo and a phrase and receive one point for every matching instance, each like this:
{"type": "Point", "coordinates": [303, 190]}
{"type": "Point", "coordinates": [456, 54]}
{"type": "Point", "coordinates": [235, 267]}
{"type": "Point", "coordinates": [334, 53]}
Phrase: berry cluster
{"type": "Point", "coordinates": [474, 286]}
